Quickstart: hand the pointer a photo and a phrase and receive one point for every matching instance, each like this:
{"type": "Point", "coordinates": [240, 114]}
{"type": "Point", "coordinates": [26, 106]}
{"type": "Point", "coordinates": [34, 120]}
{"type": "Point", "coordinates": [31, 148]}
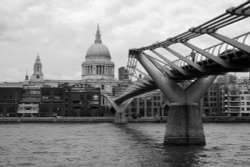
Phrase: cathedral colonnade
{"type": "Point", "coordinates": [98, 70]}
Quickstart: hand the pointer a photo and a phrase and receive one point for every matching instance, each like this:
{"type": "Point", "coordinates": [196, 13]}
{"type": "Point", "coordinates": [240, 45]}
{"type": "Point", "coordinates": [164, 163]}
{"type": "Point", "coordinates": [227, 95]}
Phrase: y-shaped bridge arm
{"type": "Point", "coordinates": [171, 89]}
{"type": "Point", "coordinates": [198, 88]}
{"type": "Point", "coordinates": [121, 103]}
{"type": "Point", "coordinates": [119, 107]}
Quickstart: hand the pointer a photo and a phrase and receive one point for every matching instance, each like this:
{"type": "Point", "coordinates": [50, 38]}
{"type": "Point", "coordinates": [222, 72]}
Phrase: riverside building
{"type": "Point", "coordinates": [37, 96]}
{"type": "Point", "coordinates": [211, 102]}
{"type": "Point", "coordinates": [236, 99]}
{"type": "Point", "coordinates": [150, 105]}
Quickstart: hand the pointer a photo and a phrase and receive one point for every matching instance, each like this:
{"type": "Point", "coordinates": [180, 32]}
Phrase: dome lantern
{"type": "Point", "coordinates": [98, 35]}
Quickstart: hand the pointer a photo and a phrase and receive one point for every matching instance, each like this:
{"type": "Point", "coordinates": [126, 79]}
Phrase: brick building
{"type": "Point", "coordinates": [9, 99]}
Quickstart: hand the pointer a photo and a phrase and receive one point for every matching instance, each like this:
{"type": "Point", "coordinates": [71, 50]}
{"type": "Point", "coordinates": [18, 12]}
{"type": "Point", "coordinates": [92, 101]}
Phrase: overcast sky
{"type": "Point", "coordinates": [62, 30]}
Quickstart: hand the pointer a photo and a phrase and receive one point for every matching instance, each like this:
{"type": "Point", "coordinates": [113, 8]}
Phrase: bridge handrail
{"type": "Point", "coordinates": [211, 49]}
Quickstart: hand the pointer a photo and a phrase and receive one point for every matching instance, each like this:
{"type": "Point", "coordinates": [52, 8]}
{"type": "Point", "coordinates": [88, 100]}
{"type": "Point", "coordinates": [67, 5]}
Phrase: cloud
{"type": "Point", "coordinates": [61, 30]}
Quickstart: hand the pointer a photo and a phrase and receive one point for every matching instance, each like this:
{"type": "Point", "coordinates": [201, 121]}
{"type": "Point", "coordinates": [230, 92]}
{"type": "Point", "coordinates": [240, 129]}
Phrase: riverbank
{"type": "Point", "coordinates": [225, 119]}
{"type": "Point", "coordinates": [56, 119]}
{"type": "Point", "coordinates": [208, 119]}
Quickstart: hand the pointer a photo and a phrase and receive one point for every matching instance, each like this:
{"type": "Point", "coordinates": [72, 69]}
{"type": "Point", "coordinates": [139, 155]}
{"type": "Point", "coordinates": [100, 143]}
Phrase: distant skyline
{"type": "Point", "coordinates": [61, 31]}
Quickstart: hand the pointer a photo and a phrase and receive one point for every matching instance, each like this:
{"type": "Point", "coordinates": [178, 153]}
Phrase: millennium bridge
{"type": "Point", "coordinates": [201, 66]}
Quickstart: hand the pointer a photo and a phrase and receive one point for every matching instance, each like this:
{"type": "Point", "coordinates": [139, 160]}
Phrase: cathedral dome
{"type": "Point", "coordinates": [98, 64]}
{"type": "Point", "coordinates": [98, 50]}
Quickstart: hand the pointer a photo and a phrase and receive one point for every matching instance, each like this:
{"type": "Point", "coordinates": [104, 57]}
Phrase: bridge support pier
{"type": "Point", "coordinates": [120, 115]}
{"type": "Point", "coordinates": [120, 118]}
{"type": "Point", "coordinates": [184, 126]}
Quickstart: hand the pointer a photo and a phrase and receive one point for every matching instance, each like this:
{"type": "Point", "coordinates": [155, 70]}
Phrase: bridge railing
{"type": "Point", "coordinates": [230, 16]}
{"type": "Point", "coordinates": [217, 50]}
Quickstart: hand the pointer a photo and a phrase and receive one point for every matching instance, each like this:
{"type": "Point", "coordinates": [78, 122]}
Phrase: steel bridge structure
{"type": "Point", "coordinates": [184, 125]}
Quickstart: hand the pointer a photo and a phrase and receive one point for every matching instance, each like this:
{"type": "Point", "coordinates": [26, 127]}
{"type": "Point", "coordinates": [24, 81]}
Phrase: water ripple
{"type": "Point", "coordinates": [109, 145]}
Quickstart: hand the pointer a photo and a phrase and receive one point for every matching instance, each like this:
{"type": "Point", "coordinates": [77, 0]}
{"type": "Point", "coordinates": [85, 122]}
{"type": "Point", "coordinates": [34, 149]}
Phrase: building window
{"type": "Point", "coordinates": [82, 97]}
{"type": "Point", "coordinates": [88, 97]}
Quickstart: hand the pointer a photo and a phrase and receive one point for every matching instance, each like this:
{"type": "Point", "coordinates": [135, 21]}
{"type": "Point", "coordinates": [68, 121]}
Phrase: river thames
{"type": "Point", "coordinates": [110, 145]}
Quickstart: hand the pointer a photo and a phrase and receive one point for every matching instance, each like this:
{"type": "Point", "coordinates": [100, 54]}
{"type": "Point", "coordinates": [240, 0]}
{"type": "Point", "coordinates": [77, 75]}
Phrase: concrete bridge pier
{"type": "Point", "coordinates": [120, 118]}
{"type": "Point", "coordinates": [184, 126]}
{"type": "Point", "coordinates": [120, 115]}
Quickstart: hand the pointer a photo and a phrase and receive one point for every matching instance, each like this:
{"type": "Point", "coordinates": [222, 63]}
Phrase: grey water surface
{"type": "Point", "coordinates": [110, 145]}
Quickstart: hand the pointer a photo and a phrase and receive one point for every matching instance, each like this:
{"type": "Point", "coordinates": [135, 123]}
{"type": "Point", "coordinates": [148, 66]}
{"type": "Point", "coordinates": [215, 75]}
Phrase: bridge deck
{"type": "Point", "coordinates": [239, 60]}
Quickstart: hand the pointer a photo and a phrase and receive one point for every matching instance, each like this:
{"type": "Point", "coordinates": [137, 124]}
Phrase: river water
{"type": "Point", "coordinates": [110, 145]}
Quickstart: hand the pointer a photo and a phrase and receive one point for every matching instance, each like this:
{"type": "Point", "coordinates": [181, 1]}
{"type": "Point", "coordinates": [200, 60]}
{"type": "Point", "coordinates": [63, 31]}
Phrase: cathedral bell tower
{"type": "Point", "coordinates": [37, 71]}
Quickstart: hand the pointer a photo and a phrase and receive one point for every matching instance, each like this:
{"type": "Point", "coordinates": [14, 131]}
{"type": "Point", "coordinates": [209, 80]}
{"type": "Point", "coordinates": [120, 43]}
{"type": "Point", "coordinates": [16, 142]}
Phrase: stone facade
{"type": "Point", "coordinates": [98, 69]}
{"type": "Point", "coordinates": [98, 64]}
